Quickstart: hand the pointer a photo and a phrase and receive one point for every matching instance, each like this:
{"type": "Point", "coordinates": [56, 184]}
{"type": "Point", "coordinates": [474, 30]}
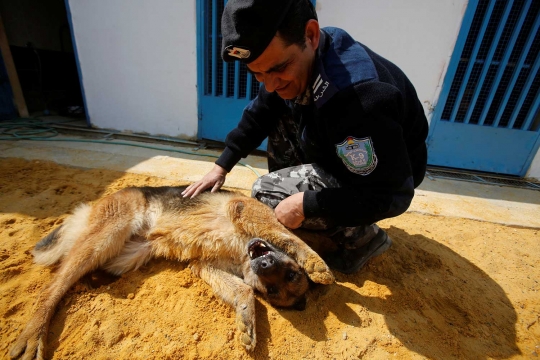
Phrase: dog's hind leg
{"type": "Point", "coordinates": [233, 291]}
{"type": "Point", "coordinates": [53, 247]}
{"type": "Point", "coordinates": [104, 238]}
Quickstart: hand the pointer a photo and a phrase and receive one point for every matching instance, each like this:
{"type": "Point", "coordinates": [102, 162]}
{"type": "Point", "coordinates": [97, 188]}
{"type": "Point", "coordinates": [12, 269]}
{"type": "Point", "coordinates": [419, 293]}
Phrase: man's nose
{"type": "Point", "coordinates": [271, 82]}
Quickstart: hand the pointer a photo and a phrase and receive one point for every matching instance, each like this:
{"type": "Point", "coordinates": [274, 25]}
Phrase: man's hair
{"type": "Point", "coordinates": [293, 28]}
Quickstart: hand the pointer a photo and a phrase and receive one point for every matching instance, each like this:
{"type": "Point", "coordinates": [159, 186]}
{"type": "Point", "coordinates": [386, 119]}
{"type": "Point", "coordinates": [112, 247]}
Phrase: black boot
{"type": "Point", "coordinates": [354, 237]}
{"type": "Point", "coordinates": [348, 259]}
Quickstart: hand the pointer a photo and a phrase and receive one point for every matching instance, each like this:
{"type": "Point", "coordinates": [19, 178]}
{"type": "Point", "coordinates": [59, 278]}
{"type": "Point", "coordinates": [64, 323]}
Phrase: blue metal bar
{"type": "Point", "coordinates": [488, 60]}
{"type": "Point", "coordinates": [504, 62]}
{"type": "Point", "coordinates": [201, 68]}
{"type": "Point", "coordinates": [236, 79]}
{"type": "Point", "coordinates": [248, 87]}
{"type": "Point", "coordinates": [472, 59]}
{"type": "Point", "coordinates": [214, 47]}
{"type": "Point", "coordinates": [225, 84]}
{"type": "Point", "coordinates": [517, 71]}
{"type": "Point", "coordinates": [523, 96]}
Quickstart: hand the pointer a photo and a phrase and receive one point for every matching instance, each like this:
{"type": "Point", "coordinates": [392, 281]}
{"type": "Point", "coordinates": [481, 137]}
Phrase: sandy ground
{"type": "Point", "coordinates": [448, 288]}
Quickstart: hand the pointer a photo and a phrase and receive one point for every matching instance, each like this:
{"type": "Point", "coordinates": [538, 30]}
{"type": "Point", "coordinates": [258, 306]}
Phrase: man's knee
{"type": "Point", "coordinates": [269, 190]}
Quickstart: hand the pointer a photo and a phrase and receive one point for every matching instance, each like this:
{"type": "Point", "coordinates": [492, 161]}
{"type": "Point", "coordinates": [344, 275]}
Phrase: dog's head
{"type": "Point", "coordinates": [276, 275]}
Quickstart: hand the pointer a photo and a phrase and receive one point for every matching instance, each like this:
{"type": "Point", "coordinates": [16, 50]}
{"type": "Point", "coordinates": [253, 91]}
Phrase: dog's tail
{"type": "Point", "coordinates": [53, 247]}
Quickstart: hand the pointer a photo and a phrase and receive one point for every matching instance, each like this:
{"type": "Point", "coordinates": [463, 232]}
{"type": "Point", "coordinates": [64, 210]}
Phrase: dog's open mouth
{"type": "Point", "coordinates": [258, 248]}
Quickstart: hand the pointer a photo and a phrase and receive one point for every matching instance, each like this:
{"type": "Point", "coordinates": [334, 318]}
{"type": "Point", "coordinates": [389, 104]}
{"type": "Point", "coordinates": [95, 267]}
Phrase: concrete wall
{"type": "Point", "coordinates": [416, 35]}
{"type": "Point", "coordinates": [138, 64]}
{"type": "Point", "coordinates": [138, 58]}
{"type": "Point", "coordinates": [534, 170]}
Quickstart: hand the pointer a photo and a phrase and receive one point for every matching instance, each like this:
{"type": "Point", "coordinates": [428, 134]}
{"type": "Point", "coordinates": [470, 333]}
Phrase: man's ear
{"type": "Point", "coordinates": [313, 33]}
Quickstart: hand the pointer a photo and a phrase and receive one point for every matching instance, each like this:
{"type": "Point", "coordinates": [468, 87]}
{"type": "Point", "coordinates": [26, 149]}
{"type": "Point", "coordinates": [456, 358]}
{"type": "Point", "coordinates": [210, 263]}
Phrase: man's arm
{"type": "Point", "coordinates": [290, 212]}
{"type": "Point", "coordinates": [258, 119]}
{"type": "Point", "coordinates": [214, 179]}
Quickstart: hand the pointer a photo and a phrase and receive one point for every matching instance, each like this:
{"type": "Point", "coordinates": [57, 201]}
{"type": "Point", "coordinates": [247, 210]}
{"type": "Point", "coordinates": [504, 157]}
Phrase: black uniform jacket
{"type": "Point", "coordinates": [365, 126]}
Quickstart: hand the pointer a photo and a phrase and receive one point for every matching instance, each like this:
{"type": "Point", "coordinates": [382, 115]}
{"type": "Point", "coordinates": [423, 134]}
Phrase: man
{"type": "Point", "coordinates": [346, 131]}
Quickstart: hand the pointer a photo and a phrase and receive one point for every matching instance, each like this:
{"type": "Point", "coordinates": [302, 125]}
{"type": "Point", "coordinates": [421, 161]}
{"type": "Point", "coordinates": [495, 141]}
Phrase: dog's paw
{"type": "Point", "coordinates": [307, 258]}
{"type": "Point", "coordinates": [317, 270]}
{"type": "Point", "coordinates": [245, 322]}
{"type": "Point", "coordinates": [28, 346]}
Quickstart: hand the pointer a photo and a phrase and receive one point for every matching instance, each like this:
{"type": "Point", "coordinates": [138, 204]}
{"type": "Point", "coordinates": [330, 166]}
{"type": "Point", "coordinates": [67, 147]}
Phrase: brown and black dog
{"type": "Point", "coordinates": [232, 242]}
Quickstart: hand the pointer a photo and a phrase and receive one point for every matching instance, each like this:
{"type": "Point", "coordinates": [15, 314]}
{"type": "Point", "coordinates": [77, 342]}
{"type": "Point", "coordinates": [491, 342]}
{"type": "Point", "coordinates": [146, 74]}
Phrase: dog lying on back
{"type": "Point", "coordinates": [234, 243]}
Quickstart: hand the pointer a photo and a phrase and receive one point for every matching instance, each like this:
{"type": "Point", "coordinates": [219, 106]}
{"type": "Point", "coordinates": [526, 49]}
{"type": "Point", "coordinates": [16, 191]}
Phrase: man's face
{"type": "Point", "coordinates": [284, 69]}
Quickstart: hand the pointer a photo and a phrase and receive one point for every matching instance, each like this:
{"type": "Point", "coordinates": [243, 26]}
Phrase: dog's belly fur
{"type": "Point", "coordinates": [160, 225]}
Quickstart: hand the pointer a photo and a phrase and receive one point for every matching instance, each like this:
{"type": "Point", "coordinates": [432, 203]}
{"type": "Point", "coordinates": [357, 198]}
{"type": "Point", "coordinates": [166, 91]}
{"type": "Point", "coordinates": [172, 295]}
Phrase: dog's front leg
{"type": "Point", "coordinates": [236, 293]}
{"type": "Point", "coordinates": [258, 220]}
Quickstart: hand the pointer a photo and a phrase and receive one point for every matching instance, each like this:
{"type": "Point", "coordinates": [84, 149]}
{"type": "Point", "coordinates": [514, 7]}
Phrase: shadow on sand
{"type": "Point", "coordinates": [437, 303]}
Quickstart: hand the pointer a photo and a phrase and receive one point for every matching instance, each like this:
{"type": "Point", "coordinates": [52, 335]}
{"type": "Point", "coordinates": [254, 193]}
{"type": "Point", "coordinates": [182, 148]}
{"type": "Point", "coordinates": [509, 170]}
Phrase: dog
{"type": "Point", "coordinates": [233, 242]}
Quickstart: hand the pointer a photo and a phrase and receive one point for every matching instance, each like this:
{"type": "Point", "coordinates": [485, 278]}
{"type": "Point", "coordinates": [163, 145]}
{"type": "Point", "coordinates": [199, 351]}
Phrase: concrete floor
{"type": "Point", "coordinates": [504, 205]}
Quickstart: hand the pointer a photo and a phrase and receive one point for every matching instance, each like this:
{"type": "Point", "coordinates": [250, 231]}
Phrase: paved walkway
{"type": "Point", "coordinates": [504, 205]}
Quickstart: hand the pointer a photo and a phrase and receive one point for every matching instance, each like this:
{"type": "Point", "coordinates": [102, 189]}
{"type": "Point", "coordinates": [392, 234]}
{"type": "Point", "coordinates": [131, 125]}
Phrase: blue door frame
{"type": "Point", "coordinates": [487, 118]}
{"type": "Point", "coordinates": [224, 89]}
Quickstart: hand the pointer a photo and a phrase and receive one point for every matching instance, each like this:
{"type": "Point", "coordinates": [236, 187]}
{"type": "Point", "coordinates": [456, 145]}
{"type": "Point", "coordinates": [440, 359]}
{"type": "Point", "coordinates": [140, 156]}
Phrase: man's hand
{"type": "Point", "coordinates": [215, 179]}
{"type": "Point", "coordinates": [290, 212]}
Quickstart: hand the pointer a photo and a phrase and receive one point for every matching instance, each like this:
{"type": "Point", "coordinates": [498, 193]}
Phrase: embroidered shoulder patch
{"type": "Point", "coordinates": [358, 155]}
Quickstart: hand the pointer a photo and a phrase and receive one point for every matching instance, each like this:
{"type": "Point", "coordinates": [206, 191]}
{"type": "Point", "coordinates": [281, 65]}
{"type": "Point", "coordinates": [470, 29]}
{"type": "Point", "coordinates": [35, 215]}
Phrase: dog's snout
{"type": "Point", "coordinates": [267, 263]}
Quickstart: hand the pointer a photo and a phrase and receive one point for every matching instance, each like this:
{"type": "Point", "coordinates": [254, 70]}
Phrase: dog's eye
{"type": "Point", "coordinates": [291, 275]}
{"type": "Point", "coordinates": [272, 290]}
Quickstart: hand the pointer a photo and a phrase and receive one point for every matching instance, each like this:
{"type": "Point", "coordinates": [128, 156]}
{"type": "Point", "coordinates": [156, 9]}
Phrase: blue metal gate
{"type": "Point", "coordinates": [487, 115]}
{"type": "Point", "coordinates": [224, 88]}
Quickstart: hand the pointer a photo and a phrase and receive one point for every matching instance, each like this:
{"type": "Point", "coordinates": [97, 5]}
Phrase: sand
{"type": "Point", "coordinates": [448, 288]}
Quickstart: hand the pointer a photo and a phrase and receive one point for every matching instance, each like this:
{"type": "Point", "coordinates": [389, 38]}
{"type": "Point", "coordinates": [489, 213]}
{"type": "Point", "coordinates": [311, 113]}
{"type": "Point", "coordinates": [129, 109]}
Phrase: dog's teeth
{"type": "Point", "coordinates": [251, 254]}
{"type": "Point", "coordinates": [262, 245]}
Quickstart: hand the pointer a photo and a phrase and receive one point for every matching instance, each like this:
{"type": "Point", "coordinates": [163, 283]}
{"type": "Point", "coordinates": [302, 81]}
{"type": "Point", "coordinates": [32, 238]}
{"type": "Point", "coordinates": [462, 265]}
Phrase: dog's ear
{"type": "Point", "coordinates": [236, 207]}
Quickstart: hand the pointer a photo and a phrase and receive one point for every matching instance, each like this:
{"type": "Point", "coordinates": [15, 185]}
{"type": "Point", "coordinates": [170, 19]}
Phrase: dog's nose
{"type": "Point", "coordinates": [266, 263]}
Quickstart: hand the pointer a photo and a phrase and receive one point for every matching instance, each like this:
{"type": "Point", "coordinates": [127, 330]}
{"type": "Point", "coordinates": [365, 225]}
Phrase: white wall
{"type": "Point", "coordinates": [139, 68]}
{"type": "Point", "coordinates": [416, 35]}
{"type": "Point", "coordinates": [138, 64]}
{"type": "Point", "coordinates": [534, 169]}
{"type": "Point", "coordinates": [138, 58]}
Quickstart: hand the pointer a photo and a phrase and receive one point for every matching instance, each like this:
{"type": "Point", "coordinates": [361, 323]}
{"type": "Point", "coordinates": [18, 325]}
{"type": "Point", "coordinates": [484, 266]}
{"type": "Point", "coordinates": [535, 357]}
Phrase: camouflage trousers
{"type": "Point", "coordinates": [274, 187]}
